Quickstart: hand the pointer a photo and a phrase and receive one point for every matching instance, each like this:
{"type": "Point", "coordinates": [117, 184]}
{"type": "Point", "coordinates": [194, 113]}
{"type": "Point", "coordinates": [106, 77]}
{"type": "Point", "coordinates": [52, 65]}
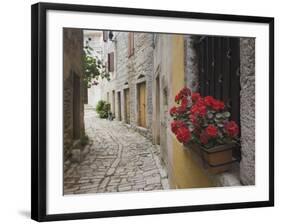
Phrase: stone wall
{"type": "Point", "coordinates": [72, 66]}
{"type": "Point", "coordinates": [128, 72]}
{"type": "Point", "coordinates": [247, 110]}
{"type": "Point", "coordinates": [191, 63]}
{"type": "Point", "coordinates": [121, 79]}
{"type": "Point", "coordinates": [140, 68]}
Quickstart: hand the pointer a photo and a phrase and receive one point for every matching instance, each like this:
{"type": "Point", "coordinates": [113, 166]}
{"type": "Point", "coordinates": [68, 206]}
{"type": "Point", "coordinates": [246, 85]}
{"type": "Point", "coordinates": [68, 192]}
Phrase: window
{"type": "Point", "coordinates": [130, 44]}
{"type": "Point", "coordinates": [219, 71]}
{"type": "Point", "coordinates": [110, 60]}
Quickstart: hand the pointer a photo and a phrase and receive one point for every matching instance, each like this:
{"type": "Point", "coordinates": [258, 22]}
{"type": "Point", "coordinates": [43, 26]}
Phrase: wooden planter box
{"type": "Point", "coordinates": [217, 159]}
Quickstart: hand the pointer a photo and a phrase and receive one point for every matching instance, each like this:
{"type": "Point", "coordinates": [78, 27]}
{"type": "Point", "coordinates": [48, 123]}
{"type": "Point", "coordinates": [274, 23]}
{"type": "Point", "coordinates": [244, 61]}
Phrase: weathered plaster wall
{"type": "Point", "coordinates": [72, 65]}
{"type": "Point", "coordinates": [162, 71]}
{"type": "Point", "coordinates": [184, 171]}
{"type": "Point", "coordinates": [247, 110]}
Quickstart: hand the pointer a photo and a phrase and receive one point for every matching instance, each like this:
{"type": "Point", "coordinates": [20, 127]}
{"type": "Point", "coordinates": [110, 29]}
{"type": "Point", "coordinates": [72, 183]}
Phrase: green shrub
{"type": "Point", "coordinates": [102, 109]}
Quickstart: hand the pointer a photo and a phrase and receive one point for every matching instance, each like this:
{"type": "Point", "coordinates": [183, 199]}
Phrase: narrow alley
{"type": "Point", "coordinates": [117, 159]}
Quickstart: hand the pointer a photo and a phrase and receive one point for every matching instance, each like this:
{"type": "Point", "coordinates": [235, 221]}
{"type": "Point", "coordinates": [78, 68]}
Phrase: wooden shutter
{"type": "Point", "coordinates": [219, 73]}
{"type": "Point", "coordinates": [110, 58]}
{"type": "Point", "coordinates": [105, 36]}
{"type": "Point", "coordinates": [130, 44]}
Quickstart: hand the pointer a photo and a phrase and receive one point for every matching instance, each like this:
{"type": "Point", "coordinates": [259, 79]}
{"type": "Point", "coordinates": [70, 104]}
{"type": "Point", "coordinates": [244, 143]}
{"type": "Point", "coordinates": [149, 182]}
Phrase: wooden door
{"type": "Point", "coordinates": [142, 104]}
{"type": "Point", "coordinates": [127, 105]}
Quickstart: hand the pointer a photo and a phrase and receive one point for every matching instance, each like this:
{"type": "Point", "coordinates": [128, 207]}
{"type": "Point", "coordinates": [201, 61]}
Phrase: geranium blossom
{"type": "Point", "coordinates": [173, 111]}
{"type": "Point", "coordinates": [202, 120]}
{"type": "Point", "coordinates": [212, 131]}
{"type": "Point", "coordinates": [175, 125]}
{"type": "Point", "coordinates": [183, 134]}
{"type": "Point", "coordinates": [195, 96]}
{"type": "Point", "coordinates": [231, 128]}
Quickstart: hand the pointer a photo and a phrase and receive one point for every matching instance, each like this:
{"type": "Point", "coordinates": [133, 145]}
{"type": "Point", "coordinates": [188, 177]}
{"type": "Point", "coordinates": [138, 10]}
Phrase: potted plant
{"type": "Point", "coordinates": [203, 124]}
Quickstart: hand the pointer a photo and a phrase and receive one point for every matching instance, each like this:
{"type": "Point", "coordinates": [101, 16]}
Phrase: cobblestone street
{"type": "Point", "coordinates": [117, 159]}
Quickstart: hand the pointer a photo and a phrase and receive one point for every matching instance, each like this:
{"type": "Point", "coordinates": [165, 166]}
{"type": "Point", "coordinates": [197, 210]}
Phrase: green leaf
{"type": "Point", "coordinates": [218, 115]}
{"type": "Point", "coordinates": [210, 115]}
{"type": "Point", "coordinates": [226, 114]}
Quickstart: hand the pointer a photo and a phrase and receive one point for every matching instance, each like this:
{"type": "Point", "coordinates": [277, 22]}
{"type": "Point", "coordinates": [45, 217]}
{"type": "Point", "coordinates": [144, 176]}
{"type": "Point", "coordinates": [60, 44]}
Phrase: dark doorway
{"type": "Point", "coordinates": [119, 105]}
{"type": "Point", "coordinates": [113, 103]}
{"type": "Point", "coordinates": [127, 105]}
{"type": "Point", "coordinates": [157, 101]}
{"type": "Point", "coordinates": [141, 87]}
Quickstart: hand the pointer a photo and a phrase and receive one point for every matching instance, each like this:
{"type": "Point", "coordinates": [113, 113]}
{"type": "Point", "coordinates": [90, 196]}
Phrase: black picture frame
{"type": "Point", "coordinates": [39, 107]}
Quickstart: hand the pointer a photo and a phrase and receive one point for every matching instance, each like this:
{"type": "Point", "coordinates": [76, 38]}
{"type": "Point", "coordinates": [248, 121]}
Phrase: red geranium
{"type": "Point", "coordinates": [199, 109]}
{"type": "Point", "coordinates": [231, 128]}
{"type": "Point", "coordinates": [209, 100]}
{"type": "Point", "coordinates": [212, 102]}
{"type": "Point", "coordinates": [177, 97]}
{"type": "Point", "coordinates": [176, 124]}
{"type": "Point", "coordinates": [184, 102]}
{"type": "Point", "coordinates": [185, 92]}
{"type": "Point", "coordinates": [173, 111]}
{"type": "Point", "coordinates": [181, 110]}
{"type": "Point", "coordinates": [212, 131]}
{"type": "Point", "coordinates": [218, 105]}
{"type": "Point", "coordinates": [202, 110]}
{"type": "Point", "coordinates": [199, 119]}
{"type": "Point", "coordinates": [192, 118]}
{"type": "Point", "coordinates": [195, 96]}
{"type": "Point", "coordinates": [183, 135]}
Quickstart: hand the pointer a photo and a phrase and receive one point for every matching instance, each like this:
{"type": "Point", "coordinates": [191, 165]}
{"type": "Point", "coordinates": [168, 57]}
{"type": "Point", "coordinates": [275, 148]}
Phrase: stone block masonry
{"type": "Point", "coordinates": [73, 88]}
{"type": "Point", "coordinates": [247, 110]}
{"type": "Point", "coordinates": [128, 73]}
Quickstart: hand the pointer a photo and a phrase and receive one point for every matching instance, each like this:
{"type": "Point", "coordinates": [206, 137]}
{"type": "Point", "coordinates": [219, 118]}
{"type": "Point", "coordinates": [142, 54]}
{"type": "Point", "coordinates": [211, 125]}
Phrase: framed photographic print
{"type": "Point", "coordinates": [138, 111]}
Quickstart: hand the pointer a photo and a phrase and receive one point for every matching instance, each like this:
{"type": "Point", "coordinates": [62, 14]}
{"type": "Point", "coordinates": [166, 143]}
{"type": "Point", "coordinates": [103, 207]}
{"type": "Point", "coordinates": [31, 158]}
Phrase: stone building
{"type": "Point", "coordinates": [129, 58]}
{"type": "Point", "coordinates": [73, 88]}
{"type": "Point", "coordinates": [147, 71]}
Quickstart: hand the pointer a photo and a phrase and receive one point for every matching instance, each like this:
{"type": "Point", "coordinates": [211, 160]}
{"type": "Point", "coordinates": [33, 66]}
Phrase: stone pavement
{"type": "Point", "coordinates": [117, 159]}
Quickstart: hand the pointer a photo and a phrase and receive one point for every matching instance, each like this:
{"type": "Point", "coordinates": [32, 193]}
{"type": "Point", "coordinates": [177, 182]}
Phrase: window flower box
{"type": "Point", "coordinates": [216, 159]}
{"type": "Point", "coordinates": [203, 124]}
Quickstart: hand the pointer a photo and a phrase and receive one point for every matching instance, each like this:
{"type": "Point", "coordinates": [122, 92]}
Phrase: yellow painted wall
{"type": "Point", "coordinates": [186, 173]}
